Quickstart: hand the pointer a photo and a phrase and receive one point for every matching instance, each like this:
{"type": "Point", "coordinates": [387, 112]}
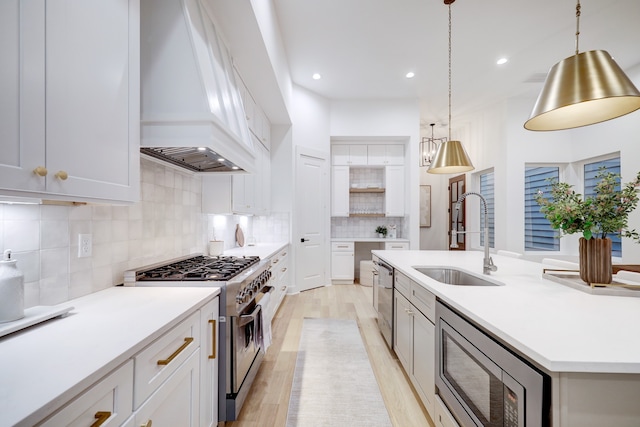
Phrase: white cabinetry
{"type": "Point", "coordinates": [240, 193]}
{"type": "Point", "coordinates": [394, 192]}
{"type": "Point", "coordinates": [348, 155]}
{"type": "Point", "coordinates": [209, 329]}
{"type": "Point", "coordinates": [442, 417]}
{"type": "Point", "coordinates": [414, 332]}
{"type": "Point", "coordinates": [385, 155]}
{"type": "Point", "coordinates": [109, 400]}
{"type": "Point", "coordinates": [342, 262]}
{"type": "Point", "coordinates": [70, 113]}
{"type": "Point", "coordinates": [340, 191]}
{"type": "Point", "coordinates": [392, 246]}
{"type": "Point", "coordinates": [281, 270]}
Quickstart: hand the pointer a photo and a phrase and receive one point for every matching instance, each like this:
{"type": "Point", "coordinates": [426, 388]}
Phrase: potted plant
{"type": "Point", "coordinates": [382, 231]}
{"type": "Point", "coordinates": [595, 217]}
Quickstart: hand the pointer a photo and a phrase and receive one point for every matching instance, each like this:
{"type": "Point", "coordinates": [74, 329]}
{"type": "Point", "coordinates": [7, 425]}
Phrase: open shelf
{"type": "Point", "coordinates": [366, 190]}
{"type": "Point", "coordinates": [369, 215]}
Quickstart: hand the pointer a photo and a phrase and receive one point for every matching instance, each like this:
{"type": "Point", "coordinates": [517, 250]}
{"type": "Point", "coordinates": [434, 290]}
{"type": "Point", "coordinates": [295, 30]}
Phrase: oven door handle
{"type": "Point", "coordinates": [248, 318]}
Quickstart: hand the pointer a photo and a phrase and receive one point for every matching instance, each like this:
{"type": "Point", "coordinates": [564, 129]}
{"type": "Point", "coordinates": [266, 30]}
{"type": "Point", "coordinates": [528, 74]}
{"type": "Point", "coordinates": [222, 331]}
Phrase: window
{"type": "Point", "coordinates": [538, 234]}
{"type": "Point", "coordinates": [590, 172]}
{"type": "Point", "coordinates": [487, 191]}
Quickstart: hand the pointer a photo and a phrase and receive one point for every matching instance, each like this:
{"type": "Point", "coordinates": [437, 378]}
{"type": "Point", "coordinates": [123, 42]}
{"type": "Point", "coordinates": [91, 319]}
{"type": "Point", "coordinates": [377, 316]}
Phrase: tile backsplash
{"type": "Point", "coordinates": [364, 227]}
{"type": "Point", "coordinates": [274, 228]}
{"type": "Point", "coordinates": [165, 224]}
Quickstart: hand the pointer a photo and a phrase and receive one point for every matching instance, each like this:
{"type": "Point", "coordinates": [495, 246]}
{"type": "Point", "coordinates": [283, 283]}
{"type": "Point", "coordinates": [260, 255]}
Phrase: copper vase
{"type": "Point", "coordinates": [595, 260]}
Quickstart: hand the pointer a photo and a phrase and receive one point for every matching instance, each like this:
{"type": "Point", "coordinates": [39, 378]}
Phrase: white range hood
{"type": "Point", "coordinates": [191, 110]}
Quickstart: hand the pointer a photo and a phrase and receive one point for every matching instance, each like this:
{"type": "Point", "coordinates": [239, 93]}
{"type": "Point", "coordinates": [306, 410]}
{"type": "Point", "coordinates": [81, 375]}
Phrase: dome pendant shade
{"type": "Point", "coordinates": [451, 157]}
{"type": "Point", "coordinates": [583, 89]}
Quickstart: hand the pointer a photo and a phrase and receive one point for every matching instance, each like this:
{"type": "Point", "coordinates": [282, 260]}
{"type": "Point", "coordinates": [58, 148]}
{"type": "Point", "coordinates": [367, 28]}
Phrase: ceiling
{"type": "Point", "coordinates": [364, 48]}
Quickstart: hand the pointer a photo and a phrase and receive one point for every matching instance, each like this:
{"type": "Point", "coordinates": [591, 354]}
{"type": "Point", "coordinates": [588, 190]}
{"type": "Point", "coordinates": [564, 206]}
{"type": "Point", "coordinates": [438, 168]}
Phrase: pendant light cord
{"type": "Point", "coordinates": [450, 71]}
{"type": "Point", "coordinates": [577, 24]}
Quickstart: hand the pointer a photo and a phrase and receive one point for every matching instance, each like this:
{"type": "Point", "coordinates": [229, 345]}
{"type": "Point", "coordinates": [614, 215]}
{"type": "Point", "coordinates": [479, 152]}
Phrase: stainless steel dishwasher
{"type": "Point", "coordinates": [385, 301]}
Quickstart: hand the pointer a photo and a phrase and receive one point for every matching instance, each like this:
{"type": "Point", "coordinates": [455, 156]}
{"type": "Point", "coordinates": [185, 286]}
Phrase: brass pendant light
{"type": "Point", "coordinates": [581, 90]}
{"type": "Point", "coordinates": [451, 156]}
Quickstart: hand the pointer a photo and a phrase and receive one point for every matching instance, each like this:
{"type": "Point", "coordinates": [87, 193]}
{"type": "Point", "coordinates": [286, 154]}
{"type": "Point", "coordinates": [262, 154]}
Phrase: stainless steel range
{"type": "Point", "coordinates": [241, 280]}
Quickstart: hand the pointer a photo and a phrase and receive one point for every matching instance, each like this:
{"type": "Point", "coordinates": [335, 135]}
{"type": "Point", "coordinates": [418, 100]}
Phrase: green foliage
{"type": "Point", "coordinates": [595, 216]}
{"type": "Point", "coordinates": [381, 229]}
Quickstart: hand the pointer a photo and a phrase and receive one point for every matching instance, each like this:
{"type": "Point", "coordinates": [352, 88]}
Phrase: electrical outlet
{"type": "Point", "coordinates": [84, 245]}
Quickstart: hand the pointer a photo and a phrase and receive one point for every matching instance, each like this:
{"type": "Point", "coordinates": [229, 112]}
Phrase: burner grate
{"type": "Point", "coordinates": [200, 268]}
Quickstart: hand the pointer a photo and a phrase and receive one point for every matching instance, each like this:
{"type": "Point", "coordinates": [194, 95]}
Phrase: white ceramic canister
{"type": "Point", "coordinates": [216, 247]}
{"type": "Point", "coordinates": [11, 289]}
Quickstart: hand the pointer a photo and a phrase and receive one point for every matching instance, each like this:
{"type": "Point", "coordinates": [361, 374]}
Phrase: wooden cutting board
{"type": "Point", "coordinates": [239, 236]}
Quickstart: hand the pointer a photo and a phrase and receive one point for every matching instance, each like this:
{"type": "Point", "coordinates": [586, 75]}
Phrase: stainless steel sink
{"type": "Point", "coordinates": [453, 276]}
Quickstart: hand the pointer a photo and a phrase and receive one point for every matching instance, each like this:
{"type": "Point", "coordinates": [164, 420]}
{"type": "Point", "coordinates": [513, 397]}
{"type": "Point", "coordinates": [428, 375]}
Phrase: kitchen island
{"type": "Point", "coordinates": [588, 344]}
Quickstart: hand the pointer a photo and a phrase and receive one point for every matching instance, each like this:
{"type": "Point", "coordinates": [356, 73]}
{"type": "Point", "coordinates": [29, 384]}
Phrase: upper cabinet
{"type": "Point", "coordinates": [385, 155]}
{"type": "Point", "coordinates": [257, 120]}
{"type": "Point", "coordinates": [348, 155]}
{"type": "Point", "coordinates": [70, 105]}
{"type": "Point", "coordinates": [367, 155]}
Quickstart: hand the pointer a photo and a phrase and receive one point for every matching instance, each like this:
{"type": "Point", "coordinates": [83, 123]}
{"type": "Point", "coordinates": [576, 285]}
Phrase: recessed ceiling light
{"type": "Point", "coordinates": [502, 61]}
{"type": "Point", "coordinates": [410, 75]}
{"type": "Point", "coordinates": [316, 76]}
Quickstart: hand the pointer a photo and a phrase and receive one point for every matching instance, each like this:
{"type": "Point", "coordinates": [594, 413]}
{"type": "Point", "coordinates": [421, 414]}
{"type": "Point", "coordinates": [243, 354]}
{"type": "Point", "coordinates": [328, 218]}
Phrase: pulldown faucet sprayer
{"type": "Point", "coordinates": [487, 263]}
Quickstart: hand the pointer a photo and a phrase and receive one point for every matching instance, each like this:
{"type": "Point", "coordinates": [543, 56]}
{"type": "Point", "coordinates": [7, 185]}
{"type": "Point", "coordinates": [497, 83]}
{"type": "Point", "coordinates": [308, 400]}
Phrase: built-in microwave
{"type": "Point", "coordinates": [482, 382]}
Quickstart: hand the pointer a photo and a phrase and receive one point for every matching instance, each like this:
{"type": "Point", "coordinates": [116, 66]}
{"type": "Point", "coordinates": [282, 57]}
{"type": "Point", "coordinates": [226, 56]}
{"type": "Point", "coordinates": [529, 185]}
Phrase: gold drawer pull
{"type": "Point", "coordinates": [40, 171]}
{"type": "Point", "coordinates": [148, 424]}
{"type": "Point", "coordinates": [284, 269]}
{"type": "Point", "coordinates": [101, 417]}
{"type": "Point", "coordinates": [213, 338]}
{"type": "Point", "coordinates": [187, 341]}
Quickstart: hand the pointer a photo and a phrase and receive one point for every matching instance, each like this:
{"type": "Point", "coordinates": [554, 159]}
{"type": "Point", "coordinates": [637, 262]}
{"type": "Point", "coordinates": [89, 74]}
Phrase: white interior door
{"type": "Point", "coordinates": [311, 219]}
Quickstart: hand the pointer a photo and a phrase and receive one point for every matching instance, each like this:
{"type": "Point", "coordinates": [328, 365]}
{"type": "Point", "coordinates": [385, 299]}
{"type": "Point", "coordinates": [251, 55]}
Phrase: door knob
{"type": "Point", "coordinates": [303, 240]}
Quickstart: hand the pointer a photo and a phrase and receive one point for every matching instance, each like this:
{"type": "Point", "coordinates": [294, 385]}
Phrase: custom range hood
{"type": "Point", "coordinates": [191, 109]}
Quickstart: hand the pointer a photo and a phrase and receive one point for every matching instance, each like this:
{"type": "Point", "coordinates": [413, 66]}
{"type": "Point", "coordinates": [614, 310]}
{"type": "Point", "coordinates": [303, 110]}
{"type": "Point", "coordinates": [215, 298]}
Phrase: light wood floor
{"type": "Point", "coordinates": [268, 400]}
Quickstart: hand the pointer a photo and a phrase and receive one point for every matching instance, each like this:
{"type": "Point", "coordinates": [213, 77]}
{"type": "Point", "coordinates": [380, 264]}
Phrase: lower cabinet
{"type": "Point", "coordinates": [414, 341]}
{"type": "Point", "coordinates": [176, 401]}
{"type": "Point", "coordinates": [210, 331]}
{"type": "Point", "coordinates": [281, 269]}
{"type": "Point", "coordinates": [171, 382]}
{"type": "Point", "coordinates": [110, 399]}
{"type": "Point", "coordinates": [442, 417]}
{"type": "Point", "coordinates": [342, 262]}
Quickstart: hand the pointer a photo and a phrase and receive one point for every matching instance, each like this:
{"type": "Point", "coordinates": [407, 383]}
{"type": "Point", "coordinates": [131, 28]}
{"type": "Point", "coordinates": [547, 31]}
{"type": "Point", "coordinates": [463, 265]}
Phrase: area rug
{"type": "Point", "coordinates": [333, 382]}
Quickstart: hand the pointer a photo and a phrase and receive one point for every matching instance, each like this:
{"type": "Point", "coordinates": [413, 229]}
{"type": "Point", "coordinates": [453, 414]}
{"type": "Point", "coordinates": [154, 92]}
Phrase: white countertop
{"type": "Point", "coordinates": [263, 250]}
{"type": "Point", "coordinates": [46, 365]}
{"type": "Point", "coordinates": [559, 328]}
{"type": "Point", "coordinates": [366, 239]}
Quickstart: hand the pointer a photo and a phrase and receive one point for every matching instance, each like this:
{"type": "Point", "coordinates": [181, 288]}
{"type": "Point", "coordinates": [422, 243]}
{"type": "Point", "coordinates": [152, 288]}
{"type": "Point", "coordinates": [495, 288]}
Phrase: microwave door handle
{"type": "Point", "coordinates": [248, 318]}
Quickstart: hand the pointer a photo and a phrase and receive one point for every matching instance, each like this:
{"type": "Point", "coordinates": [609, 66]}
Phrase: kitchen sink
{"type": "Point", "coordinates": [453, 276]}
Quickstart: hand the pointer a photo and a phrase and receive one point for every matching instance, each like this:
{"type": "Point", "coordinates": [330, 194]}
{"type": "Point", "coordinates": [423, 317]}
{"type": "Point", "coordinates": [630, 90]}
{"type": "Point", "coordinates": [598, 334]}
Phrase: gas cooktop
{"type": "Point", "coordinates": [199, 268]}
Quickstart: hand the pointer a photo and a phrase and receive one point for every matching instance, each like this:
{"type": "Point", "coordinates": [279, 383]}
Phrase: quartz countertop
{"type": "Point", "coordinates": [367, 239]}
{"type": "Point", "coordinates": [559, 328]}
{"type": "Point", "coordinates": [50, 363]}
{"type": "Point", "coordinates": [263, 250]}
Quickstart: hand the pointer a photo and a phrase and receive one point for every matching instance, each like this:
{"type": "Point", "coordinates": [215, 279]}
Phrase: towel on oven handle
{"type": "Point", "coordinates": [263, 334]}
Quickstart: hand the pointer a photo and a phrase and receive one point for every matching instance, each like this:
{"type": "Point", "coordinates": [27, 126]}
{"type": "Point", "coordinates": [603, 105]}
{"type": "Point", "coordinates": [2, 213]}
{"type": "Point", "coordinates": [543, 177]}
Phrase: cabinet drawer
{"type": "Point", "coordinates": [424, 301]}
{"type": "Point", "coordinates": [159, 360]}
{"type": "Point", "coordinates": [388, 246]}
{"type": "Point", "coordinates": [402, 283]}
{"type": "Point", "coordinates": [110, 400]}
{"type": "Point", "coordinates": [342, 246]}
{"type": "Point", "coordinates": [443, 417]}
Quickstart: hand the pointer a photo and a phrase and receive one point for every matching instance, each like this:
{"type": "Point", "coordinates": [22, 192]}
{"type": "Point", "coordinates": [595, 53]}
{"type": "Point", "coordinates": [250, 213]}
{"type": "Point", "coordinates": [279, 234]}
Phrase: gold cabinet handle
{"type": "Point", "coordinates": [275, 261]}
{"type": "Point", "coordinates": [40, 171]}
{"type": "Point", "coordinates": [284, 269]}
{"type": "Point", "coordinates": [284, 288]}
{"type": "Point", "coordinates": [148, 424]}
{"type": "Point", "coordinates": [187, 341]}
{"type": "Point", "coordinates": [62, 175]}
{"type": "Point", "coordinates": [213, 338]}
{"type": "Point", "coordinates": [101, 417]}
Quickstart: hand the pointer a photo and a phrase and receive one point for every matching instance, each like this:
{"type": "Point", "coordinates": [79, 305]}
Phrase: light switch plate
{"type": "Point", "coordinates": [84, 245]}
